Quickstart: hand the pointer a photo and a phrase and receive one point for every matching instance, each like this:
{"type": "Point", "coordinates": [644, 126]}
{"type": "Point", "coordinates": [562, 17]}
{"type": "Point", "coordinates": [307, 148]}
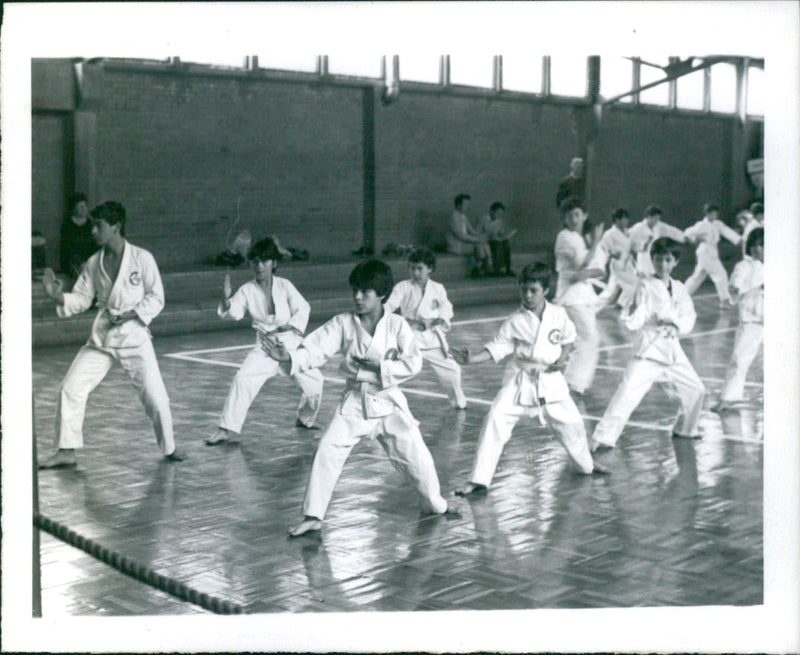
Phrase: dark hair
{"type": "Point", "coordinates": [756, 236]}
{"type": "Point", "coordinates": [619, 214]}
{"type": "Point", "coordinates": [372, 274]}
{"type": "Point", "coordinates": [653, 210]}
{"type": "Point", "coordinates": [710, 207]}
{"type": "Point", "coordinates": [263, 250]}
{"type": "Point", "coordinates": [460, 198]}
{"type": "Point", "coordinates": [536, 272]}
{"type": "Point", "coordinates": [495, 206]}
{"type": "Point", "coordinates": [757, 208]}
{"type": "Point", "coordinates": [568, 204]}
{"type": "Point", "coordinates": [665, 246]}
{"type": "Point", "coordinates": [76, 198]}
{"type": "Point", "coordinates": [423, 256]}
{"type": "Point", "coordinates": [112, 213]}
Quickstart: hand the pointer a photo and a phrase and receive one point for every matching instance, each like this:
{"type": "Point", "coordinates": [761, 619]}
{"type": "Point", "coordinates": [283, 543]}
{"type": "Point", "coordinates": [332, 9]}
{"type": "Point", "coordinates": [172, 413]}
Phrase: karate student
{"type": "Point", "coordinates": [380, 353]}
{"type": "Point", "coordinates": [706, 234]}
{"type": "Point", "coordinates": [615, 251]}
{"type": "Point", "coordinates": [661, 311]}
{"type": "Point", "coordinates": [746, 223]}
{"type": "Point", "coordinates": [574, 291]}
{"type": "Point", "coordinates": [277, 309]}
{"type": "Point", "coordinates": [125, 281]}
{"type": "Point", "coordinates": [424, 304]}
{"type": "Point", "coordinates": [747, 289]}
{"type": "Point", "coordinates": [539, 335]}
{"type": "Point", "coordinates": [643, 233]}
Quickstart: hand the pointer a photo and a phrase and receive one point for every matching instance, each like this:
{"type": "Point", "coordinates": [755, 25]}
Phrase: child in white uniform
{"type": "Point", "coordinates": [126, 283]}
{"type": "Point", "coordinates": [642, 235]}
{"type": "Point", "coordinates": [424, 304]}
{"type": "Point", "coordinates": [614, 251]}
{"type": "Point", "coordinates": [661, 311]}
{"type": "Point", "coordinates": [575, 292]}
{"type": "Point", "coordinates": [540, 337]}
{"type": "Point", "coordinates": [706, 234]}
{"type": "Point", "coordinates": [747, 289]}
{"type": "Point", "coordinates": [380, 353]}
{"type": "Point", "coordinates": [277, 309]}
{"type": "Point", "coordinates": [747, 223]}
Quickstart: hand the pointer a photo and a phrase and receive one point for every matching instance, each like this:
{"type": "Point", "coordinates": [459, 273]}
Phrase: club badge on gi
{"type": "Point", "coordinates": [554, 337]}
{"type": "Point", "coordinates": [134, 278]}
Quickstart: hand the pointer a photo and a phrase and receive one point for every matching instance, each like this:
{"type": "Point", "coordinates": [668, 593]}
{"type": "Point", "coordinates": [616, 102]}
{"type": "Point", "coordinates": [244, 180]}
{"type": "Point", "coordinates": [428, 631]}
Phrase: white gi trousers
{"type": "Point", "coordinates": [562, 417]}
{"type": "Point", "coordinates": [709, 266]}
{"type": "Point", "coordinates": [583, 359]}
{"type": "Point", "coordinates": [679, 380]}
{"type": "Point", "coordinates": [749, 337]}
{"type": "Point", "coordinates": [89, 367]}
{"type": "Point", "coordinates": [256, 369]}
{"type": "Point", "coordinates": [448, 372]}
{"type": "Point", "coordinates": [403, 443]}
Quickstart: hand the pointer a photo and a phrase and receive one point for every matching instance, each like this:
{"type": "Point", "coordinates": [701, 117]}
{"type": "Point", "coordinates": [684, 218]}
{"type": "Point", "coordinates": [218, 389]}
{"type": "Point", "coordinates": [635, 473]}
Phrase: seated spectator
{"type": "Point", "coordinates": [463, 239]}
{"type": "Point", "coordinates": [573, 185]}
{"type": "Point", "coordinates": [493, 228]}
{"type": "Point", "coordinates": [77, 243]}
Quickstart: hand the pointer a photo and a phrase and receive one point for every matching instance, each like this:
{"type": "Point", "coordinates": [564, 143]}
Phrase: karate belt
{"type": "Point", "coordinates": [373, 404]}
{"type": "Point", "coordinates": [528, 386]}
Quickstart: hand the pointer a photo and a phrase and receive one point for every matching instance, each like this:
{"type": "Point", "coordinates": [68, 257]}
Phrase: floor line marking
{"type": "Point", "coordinates": [704, 379]}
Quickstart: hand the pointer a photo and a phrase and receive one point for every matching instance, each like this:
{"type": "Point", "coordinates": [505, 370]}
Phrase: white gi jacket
{"type": "Point", "coordinates": [369, 394]}
{"type": "Point", "coordinates": [655, 301]}
{"type": "Point", "coordinates": [290, 309]}
{"type": "Point", "coordinates": [751, 225]}
{"type": "Point", "coordinates": [748, 278]}
{"type": "Point", "coordinates": [535, 345]}
{"type": "Point", "coordinates": [138, 288]}
{"type": "Point", "coordinates": [430, 304]}
{"type": "Point", "coordinates": [571, 252]}
{"type": "Point", "coordinates": [642, 235]}
{"type": "Point", "coordinates": [709, 233]}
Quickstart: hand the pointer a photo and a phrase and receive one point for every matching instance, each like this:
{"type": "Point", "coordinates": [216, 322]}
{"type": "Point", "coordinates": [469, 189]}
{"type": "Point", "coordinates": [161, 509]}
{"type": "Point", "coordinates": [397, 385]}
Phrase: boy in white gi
{"type": "Point", "coordinates": [615, 251]}
{"type": "Point", "coordinates": [277, 309]}
{"type": "Point", "coordinates": [424, 304]}
{"type": "Point", "coordinates": [380, 353]}
{"type": "Point", "coordinates": [706, 234]}
{"type": "Point", "coordinates": [747, 289]}
{"type": "Point", "coordinates": [661, 311]}
{"type": "Point", "coordinates": [575, 292]}
{"type": "Point", "coordinates": [126, 283]}
{"type": "Point", "coordinates": [746, 223]}
{"type": "Point", "coordinates": [540, 337]}
{"type": "Point", "coordinates": [643, 233]}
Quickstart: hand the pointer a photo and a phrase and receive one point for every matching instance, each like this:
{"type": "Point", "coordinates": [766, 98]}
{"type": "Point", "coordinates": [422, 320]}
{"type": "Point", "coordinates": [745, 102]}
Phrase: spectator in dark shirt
{"type": "Point", "coordinates": [77, 243]}
{"type": "Point", "coordinates": [572, 185]}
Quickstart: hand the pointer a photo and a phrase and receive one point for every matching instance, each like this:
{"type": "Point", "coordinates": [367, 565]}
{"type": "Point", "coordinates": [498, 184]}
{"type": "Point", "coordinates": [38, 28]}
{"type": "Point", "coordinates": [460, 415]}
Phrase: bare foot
{"type": "Point", "coordinates": [722, 406]}
{"type": "Point", "coordinates": [599, 446]}
{"type": "Point", "coordinates": [309, 524]}
{"type": "Point", "coordinates": [175, 456]}
{"type": "Point", "coordinates": [62, 458]}
{"type": "Point", "coordinates": [299, 424]}
{"type": "Point", "coordinates": [219, 437]}
{"type": "Point", "coordinates": [470, 488]}
{"type": "Point", "coordinates": [599, 469]}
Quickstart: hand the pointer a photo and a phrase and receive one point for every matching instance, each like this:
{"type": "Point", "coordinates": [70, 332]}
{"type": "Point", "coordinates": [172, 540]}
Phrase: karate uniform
{"type": "Point", "coordinates": [372, 406]}
{"type": "Point", "coordinates": [642, 236]}
{"type": "Point", "coordinates": [751, 225]}
{"type": "Point", "coordinates": [580, 301]}
{"type": "Point", "coordinates": [428, 305]}
{"type": "Point", "coordinates": [657, 357]}
{"type": "Point", "coordinates": [708, 263]}
{"type": "Point", "coordinates": [529, 390]}
{"type": "Point", "coordinates": [614, 251]}
{"type": "Point", "coordinates": [748, 279]}
{"type": "Point", "coordinates": [137, 288]}
{"type": "Point", "coordinates": [291, 310]}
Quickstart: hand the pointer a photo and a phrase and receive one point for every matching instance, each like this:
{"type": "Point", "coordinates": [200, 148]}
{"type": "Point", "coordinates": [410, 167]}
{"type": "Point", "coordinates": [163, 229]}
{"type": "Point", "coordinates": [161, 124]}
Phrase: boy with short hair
{"type": "Point", "coordinates": [662, 311]}
{"type": "Point", "coordinates": [706, 234]}
{"type": "Point", "coordinates": [747, 290]}
{"type": "Point", "coordinates": [424, 304]}
{"type": "Point", "coordinates": [277, 309]}
{"type": "Point", "coordinates": [540, 337]}
{"type": "Point", "coordinates": [642, 235]}
{"type": "Point", "coordinates": [747, 222]}
{"type": "Point", "coordinates": [493, 227]}
{"type": "Point", "coordinates": [614, 251]}
{"type": "Point", "coordinates": [380, 353]}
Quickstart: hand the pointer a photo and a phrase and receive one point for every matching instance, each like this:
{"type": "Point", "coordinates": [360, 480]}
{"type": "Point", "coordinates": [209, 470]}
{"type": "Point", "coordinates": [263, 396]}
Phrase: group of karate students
{"type": "Point", "coordinates": [553, 345]}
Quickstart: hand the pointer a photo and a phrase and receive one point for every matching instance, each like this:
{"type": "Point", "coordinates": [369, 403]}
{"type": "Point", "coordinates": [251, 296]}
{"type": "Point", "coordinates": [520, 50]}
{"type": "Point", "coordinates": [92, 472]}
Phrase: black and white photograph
{"type": "Point", "coordinates": [400, 327]}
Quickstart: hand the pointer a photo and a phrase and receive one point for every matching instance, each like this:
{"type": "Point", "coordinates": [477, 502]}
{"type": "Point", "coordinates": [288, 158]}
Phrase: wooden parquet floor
{"type": "Point", "coordinates": [673, 516]}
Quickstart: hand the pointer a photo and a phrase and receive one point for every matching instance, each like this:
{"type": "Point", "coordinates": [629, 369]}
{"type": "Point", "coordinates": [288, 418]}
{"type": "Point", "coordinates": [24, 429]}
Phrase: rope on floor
{"type": "Point", "coordinates": [134, 569]}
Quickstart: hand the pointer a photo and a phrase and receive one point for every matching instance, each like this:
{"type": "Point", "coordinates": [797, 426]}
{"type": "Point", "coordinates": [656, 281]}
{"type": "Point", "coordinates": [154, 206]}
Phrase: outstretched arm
{"type": "Point", "coordinates": [464, 357]}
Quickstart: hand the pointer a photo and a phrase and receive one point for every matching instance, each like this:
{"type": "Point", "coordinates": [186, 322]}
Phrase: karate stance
{"type": "Point", "coordinates": [277, 310]}
{"type": "Point", "coordinates": [706, 233]}
{"type": "Point", "coordinates": [614, 251]}
{"type": "Point", "coordinates": [661, 311]}
{"type": "Point", "coordinates": [747, 290]}
{"type": "Point", "coordinates": [125, 281]}
{"type": "Point", "coordinates": [380, 353]}
{"type": "Point", "coordinates": [424, 304]}
{"type": "Point", "coordinates": [540, 337]}
{"type": "Point", "coordinates": [643, 233]}
{"type": "Point", "coordinates": [574, 291]}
